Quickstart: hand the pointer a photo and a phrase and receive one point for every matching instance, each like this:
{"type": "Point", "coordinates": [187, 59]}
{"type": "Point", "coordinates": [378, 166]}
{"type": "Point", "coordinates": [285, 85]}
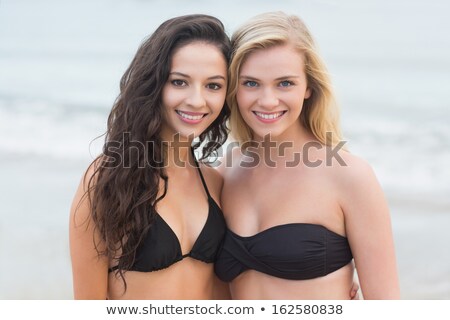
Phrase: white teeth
{"type": "Point", "coordinates": [269, 116]}
{"type": "Point", "coordinates": [189, 117]}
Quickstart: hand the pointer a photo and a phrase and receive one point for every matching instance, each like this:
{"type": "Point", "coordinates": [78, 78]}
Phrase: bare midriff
{"type": "Point", "coordinates": [187, 279]}
{"type": "Point", "coordinates": [252, 284]}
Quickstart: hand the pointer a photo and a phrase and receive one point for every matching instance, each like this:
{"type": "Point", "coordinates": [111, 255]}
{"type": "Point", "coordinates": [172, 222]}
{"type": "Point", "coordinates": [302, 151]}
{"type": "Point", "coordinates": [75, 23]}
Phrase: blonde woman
{"type": "Point", "coordinates": [301, 211]}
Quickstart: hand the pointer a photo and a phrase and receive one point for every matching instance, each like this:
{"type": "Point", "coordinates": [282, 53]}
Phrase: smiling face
{"type": "Point", "coordinates": [272, 87]}
{"type": "Point", "coordinates": [194, 93]}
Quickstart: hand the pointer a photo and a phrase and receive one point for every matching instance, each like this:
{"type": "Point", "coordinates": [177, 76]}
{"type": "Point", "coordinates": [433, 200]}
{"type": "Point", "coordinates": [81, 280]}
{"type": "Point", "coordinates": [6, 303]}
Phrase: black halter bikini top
{"type": "Point", "coordinates": [295, 251]}
{"type": "Point", "coordinates": [161, 247]}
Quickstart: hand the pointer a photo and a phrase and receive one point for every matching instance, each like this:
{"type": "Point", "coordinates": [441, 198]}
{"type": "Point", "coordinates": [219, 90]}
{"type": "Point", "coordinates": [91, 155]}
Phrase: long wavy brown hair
{"type": "Point", "coordinates": [123, 191]}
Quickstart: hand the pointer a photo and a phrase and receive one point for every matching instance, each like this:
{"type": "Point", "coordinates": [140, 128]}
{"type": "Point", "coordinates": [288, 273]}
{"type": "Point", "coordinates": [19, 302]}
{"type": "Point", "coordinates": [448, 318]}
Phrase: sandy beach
{"type": "Point", "coordinates": [34, 247]}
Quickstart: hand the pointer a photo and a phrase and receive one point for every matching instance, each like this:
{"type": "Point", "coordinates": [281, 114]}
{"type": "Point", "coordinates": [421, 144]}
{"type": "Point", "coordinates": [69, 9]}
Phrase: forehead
{"type": "Point", "coordinates": [279, 59]}
{"type": "Point", "coordinates": [197, 56]}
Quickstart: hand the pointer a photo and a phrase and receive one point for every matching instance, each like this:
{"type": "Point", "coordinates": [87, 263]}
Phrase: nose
{"type": "Point", "coordinates": [196, 98]}
{"type": "Point", "coordinates": [268, 99]}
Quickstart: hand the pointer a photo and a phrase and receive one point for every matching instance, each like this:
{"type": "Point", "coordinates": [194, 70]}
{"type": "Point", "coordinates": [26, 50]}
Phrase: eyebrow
{"type": "Point", "coordinates": [279, 78]}
{"type": "Point", "coordinates": [187, 76]}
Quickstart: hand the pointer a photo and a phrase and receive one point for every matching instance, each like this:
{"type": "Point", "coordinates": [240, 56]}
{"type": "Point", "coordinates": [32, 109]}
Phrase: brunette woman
{"type": "Point", "coordinates": [146, 221]}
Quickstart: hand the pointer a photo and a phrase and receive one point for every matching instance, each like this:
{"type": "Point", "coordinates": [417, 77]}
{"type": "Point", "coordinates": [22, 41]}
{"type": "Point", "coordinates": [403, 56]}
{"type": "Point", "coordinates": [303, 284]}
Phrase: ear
{"type": "Point", "coordinates": [308, 93]}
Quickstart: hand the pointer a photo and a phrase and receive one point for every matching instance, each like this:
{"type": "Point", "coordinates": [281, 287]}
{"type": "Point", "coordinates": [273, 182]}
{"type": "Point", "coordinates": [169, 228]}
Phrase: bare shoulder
{"type": "Point", "coordinates": [80, 203]}
{"type": "Point", "coordinates": [358, 188]}
{"type": "Point", "coordinates": [352, 171]}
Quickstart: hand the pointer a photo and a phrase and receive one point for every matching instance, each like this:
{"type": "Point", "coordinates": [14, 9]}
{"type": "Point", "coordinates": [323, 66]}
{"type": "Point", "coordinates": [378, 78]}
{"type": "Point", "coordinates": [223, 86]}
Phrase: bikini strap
{"type": "Point", "coordinates": [113, 269]}
{"type": "Point", "coordinates": [201, 175]}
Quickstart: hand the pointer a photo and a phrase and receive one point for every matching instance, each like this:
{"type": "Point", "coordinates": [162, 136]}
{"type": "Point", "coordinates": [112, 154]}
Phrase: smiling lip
{"type": "Point", "coordinates": [191, 117]}
{"type": "Point", "coordinates": [268, 117]}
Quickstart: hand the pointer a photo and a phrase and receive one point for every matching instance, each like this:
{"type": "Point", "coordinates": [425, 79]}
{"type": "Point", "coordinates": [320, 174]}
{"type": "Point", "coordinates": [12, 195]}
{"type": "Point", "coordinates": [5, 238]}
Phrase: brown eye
{"type": "Point", "coordinates": [178, 83]}
{"type": "Point", "coordinates": [214, 86]}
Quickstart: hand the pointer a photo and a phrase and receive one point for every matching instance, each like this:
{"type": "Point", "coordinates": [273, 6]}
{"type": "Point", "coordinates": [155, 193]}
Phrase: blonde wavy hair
{"type": "Point", "coordinates": [320, 113]}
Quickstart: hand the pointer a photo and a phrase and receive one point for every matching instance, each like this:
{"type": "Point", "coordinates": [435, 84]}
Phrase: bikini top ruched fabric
{"type": "Point", "coordinates": [161, 248]}
{"type": "Point", "coordinates": [296, 251]}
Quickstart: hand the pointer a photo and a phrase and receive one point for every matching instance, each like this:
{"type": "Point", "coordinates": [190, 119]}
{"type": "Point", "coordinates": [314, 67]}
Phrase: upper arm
{"type": "Point", "coordinates": [369, 231]}
{"type": "Point", "coordinates": [90, 272]}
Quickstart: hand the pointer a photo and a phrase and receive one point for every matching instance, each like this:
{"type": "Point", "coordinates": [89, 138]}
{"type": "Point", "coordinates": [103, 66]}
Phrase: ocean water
{"type": "Point", "coordinates": [60, 65]}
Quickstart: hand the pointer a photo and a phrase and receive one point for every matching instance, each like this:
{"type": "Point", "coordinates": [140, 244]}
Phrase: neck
{"type": "Point", "coordinates": [286, 147]}
{"type": "Point", "coordinates": [177, 153]}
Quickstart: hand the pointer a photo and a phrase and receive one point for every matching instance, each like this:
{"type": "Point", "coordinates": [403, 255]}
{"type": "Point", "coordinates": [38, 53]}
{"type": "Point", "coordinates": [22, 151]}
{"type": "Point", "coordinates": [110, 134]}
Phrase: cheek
{"type": "Point", "coordinates": [243, 99]}
{"type": "Point", "coordinates": [170, 98]}
{"type": "Point", "coordinates": [295, 100]}
{"type": "Point", "coordinates": [166, 97]}
{"type": "Point", "coordinates": [217, 101]}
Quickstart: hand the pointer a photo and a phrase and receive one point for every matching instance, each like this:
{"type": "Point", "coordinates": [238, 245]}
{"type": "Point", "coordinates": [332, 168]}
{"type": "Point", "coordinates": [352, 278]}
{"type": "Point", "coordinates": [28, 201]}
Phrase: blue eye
{"type": "Point", "coordinates": [178, 83]}
{"type": "Point", "coordinates": [250, 84]}
{"type": "Point", "coordinates": [286, 83]}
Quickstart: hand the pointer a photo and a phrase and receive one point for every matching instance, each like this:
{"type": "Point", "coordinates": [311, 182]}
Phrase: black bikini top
{"type": "Point", "coordinates": [161, 247]}
{"type": "Point", "coordinates": [296, 251]}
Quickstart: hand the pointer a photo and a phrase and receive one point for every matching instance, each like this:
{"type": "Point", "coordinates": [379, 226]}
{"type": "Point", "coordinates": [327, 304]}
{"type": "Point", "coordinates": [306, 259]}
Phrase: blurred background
{"type": "Point", "coordinates": [60, 66]}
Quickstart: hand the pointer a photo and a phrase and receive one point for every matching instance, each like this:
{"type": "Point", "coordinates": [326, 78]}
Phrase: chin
{"type": "Point", "coordinates": [190, 135]}
{"type": "Point", "coordinates": [261, 135]}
